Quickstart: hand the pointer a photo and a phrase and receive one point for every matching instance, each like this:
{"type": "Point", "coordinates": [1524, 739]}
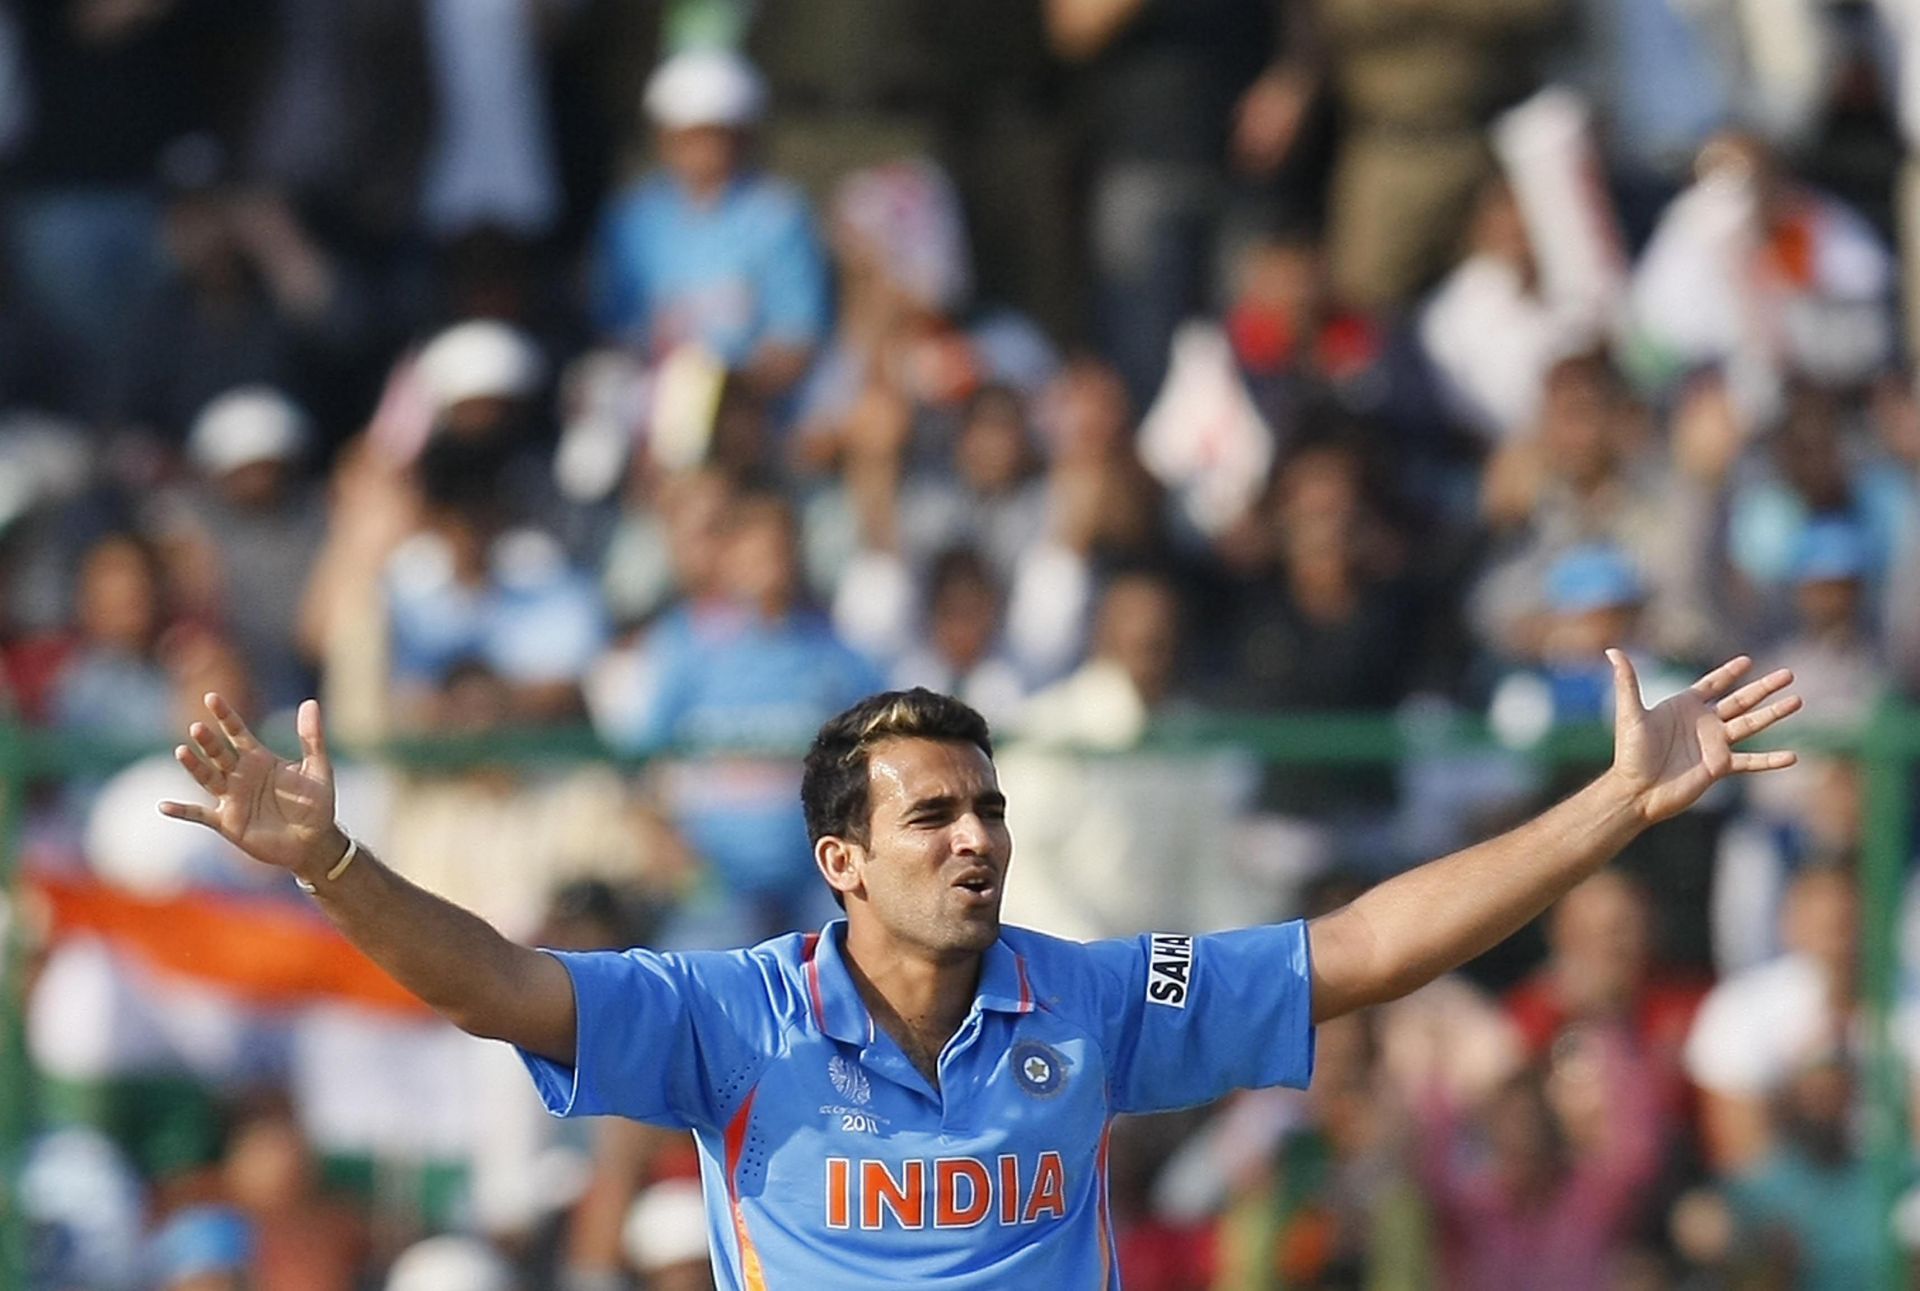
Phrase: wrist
{"type": "Point", "coordinates": [323, 857]}
{"type": "Point", "coordinates": [1622, 804]}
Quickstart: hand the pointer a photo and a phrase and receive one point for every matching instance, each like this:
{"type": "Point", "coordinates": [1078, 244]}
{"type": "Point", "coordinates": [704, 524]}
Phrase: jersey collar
{"type": "Point", "coordinates": [839, 1011]}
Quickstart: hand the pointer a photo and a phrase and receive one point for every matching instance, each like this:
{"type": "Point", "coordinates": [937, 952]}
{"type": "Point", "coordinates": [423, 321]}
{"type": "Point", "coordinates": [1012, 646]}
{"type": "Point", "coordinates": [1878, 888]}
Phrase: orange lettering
{"type": "Point", "coordinates": [1009, 1190]}
{"type": "Point", "coordinates": [906, 1199]}
{"type": "Point", "coordinates": [839, 1184]}
{"type": "Point", "coordinates": [948, 1174]}
{"type": "Point", "coordinates": [1049, 1189]}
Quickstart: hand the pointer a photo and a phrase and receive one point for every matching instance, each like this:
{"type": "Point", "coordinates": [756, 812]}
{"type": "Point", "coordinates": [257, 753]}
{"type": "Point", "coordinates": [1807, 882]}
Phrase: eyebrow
{"type": "Point", "coordinates": [991, 798]}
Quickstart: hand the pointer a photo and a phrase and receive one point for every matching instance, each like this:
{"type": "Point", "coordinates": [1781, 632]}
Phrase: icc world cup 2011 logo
{"type": "Point", "coordinates": [849, 1080]}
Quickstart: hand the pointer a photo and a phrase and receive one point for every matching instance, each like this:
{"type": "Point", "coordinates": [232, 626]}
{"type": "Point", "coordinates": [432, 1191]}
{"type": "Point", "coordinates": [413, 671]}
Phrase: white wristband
{"type": "Point", "coordinates": [339, 866]}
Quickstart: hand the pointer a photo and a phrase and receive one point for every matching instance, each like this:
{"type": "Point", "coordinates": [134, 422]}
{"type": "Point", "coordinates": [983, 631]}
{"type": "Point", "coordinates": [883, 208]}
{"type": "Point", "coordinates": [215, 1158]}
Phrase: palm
{"type": "Point", "coordinates": [272, 809]}
{"type": "Point", "coordinates": [1672, 754]}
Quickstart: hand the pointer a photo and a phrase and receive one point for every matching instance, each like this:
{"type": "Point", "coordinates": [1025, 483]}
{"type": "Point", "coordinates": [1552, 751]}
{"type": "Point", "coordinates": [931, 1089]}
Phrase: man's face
{"type": "Point", "coordinates": [934, 869]}
{"type": "Point", "coordinates": [701, 157]}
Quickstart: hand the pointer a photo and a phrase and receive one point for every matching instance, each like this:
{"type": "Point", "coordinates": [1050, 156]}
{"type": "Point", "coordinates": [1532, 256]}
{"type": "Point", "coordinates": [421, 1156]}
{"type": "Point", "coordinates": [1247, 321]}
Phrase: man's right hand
{"type": "Point", "coordinates": [274, 810]}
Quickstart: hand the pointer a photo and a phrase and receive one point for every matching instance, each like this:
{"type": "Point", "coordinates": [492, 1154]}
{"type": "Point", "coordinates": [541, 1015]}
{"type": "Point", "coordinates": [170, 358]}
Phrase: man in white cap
{"type": "Point", "coordinates": [665, 1235]}
{"type": "Point", "coordinates": [707, 250]}
{"type": "Point", "coordinates": [252, 522]}
{"type": "Point", "coordinates": [450, 1263]}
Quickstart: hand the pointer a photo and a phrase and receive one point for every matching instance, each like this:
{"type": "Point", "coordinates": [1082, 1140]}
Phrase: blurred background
{"type": "Point", "coordinates": [1264, 411]}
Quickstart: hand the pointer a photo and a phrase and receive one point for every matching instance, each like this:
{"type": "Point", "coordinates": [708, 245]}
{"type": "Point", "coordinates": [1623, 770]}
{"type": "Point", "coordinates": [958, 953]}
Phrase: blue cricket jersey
{"type": "Point", "coordinates": [828, 1161]}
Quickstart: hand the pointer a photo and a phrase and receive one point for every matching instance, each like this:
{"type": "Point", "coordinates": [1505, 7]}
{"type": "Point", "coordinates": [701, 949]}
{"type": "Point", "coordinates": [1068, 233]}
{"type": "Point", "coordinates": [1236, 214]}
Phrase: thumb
{"type": "Point", "coordinates": [1626, 686]}
{"type": "Point", "coordinates": [313, 740]}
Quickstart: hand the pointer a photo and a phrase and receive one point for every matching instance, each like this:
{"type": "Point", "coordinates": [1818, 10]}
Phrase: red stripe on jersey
{"type": "Point", "coordinates": [751, 1278]}
{"type": "Point", "coordinates": [1106, 1234]}
{"type": "Point", "coordinates": [807, 948]}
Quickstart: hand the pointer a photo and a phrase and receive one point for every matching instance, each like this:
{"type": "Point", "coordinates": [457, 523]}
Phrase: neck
{"type": "Point", "coordinates": [918, 998]}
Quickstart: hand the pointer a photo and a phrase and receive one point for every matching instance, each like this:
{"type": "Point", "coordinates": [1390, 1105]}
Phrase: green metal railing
{"type": "Point", "coordinates": [1888, 747]}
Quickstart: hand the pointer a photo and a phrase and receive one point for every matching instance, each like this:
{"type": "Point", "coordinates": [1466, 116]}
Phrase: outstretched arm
{"type": "Point", "coordinates": [281, 813]}
{"type": "Point", "coordinates": [1409, 930]}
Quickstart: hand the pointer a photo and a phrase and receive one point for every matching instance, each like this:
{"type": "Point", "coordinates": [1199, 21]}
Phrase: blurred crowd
{"type": "Point", "coordinates": [687, 369]}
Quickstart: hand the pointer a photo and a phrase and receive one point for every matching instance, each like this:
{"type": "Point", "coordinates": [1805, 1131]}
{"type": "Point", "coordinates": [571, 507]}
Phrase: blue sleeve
{"type": "Point", "coordinates": [1189, 1019]}
{"type": "Point", "coordinates": [675, 1040]}
{"type": "Point", "coordinates": [793, 282]}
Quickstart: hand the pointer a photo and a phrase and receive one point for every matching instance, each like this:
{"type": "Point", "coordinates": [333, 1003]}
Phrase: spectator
{"type": "Point", "coordinates": [1332, 1197]}
{"type": "Point", "coordinates": [1492, 330]}
{"type": "Point", "coordinates": [1814, 1188]}
{"type": "Point", "coordinates": [117, 88]}
{"type": "Point", "coordinates": [1585, 475]}
{"type": "Point", "coordinates": [247, 528]}
{"type": "Point", "coordinates": [248, 297]}
{"type": "Point", "coordinates": [1303, 352]}
{"type": "Point", "coordinates": [911, 345]}
{"type": "Point", "coordinates": [1813, 467]}
{"type": "Point", "coordinates": [1595, 599]}
{"type": "Point", "coordinates": [1568, 1152]}
{"type": "Point", "coordinates": [708, 251]}
{"type": "Point", "coordinates": [668, 552]}
{"type": "Point", "coordinates": [1833, 651]}
{"type": "Point", "coordinates": [737, 683]}
{"type": "Point", "coordinates": [1105, 513]}
{"type": "Point", "coordinates": [114, 681]}
{"type": "Point", "coordinates": [490, 163]}
{"type": "Point", "coordinates": [470, 587]}
{"type": "Point", "coordinates": [1761, 1025]}
{"type": "Point", "coordinates": [304, 1239]}
{"type": "Point", "coordinates": [1335, 624]}
{"type": "Point", "coordinates": [478, 386]}
{"type": "Point", "coordinates": [989, 500]}
{"type": "Point", "coordinates": [1660, 81]}
{"type": "Point", "coordinates": [1753, 269]}
{"type": "Point", "coordinates": [1417, 90]}
{"type": "Point", "coordinates": [1191, 108]}
{"type": "Point", "coordinates": [960, 650]}
{"type": "Point", "coordinates": [1600, 973]}
{"type": "Point", "coordinates": [1097, 833]}
{"type": "Point", "coordinates": [1131, 676]}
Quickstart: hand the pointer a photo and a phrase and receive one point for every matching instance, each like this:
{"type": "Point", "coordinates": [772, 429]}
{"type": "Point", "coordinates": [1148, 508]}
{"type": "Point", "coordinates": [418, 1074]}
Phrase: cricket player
{"type": "Point", "coordinates": [915, 1095]}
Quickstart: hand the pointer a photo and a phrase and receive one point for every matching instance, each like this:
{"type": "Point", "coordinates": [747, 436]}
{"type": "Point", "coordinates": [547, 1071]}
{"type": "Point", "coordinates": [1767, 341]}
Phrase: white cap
{"type": "Point", "coordinates": [667, 1225]}
{"type": "Point", "coordinates": [705, 87]}
{"type": "Point", "coordinates": [480, 360]}
{"type": "Point", "coordinates": [244, 426]}
{"type": "Point", "coordinates": [450, 1263]}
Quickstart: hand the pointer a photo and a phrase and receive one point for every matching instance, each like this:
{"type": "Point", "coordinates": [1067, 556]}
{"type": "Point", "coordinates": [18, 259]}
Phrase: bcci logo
{"type": "Point", "coordinates": [849, 1080]}
{"type": "Point", "coordinates": [1039, 1068]}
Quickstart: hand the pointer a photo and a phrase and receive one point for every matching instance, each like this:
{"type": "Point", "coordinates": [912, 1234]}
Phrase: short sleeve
{"type": "Point", "coordinates": [675, 1040]}
{"type": "Point", "coordinates": [1188, 1019]}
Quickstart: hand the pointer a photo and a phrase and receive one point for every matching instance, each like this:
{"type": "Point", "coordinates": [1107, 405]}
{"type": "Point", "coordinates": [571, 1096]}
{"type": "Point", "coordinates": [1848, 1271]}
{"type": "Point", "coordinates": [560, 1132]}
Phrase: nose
{"type": "Point", "coordinates": [970, 834]}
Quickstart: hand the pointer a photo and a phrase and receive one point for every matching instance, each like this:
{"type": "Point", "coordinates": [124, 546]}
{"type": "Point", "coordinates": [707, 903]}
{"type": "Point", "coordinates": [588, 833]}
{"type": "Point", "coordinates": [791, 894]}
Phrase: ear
{"type": "Point", "coordinates": [841, 863]}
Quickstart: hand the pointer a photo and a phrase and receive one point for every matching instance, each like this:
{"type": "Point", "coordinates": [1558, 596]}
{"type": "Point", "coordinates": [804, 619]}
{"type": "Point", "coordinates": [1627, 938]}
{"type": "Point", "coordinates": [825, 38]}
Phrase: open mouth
{"type": "Point", "coordinates": [978, 884]}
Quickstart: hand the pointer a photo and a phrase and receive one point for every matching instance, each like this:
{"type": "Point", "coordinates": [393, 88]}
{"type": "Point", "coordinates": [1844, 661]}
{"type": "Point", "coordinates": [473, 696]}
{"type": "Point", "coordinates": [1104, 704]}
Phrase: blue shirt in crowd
{"type": "Point", "coordinates": [829, 1161]}
{"type": "Point", "coordinates": [534, 620]}
{"type": "Point", "coordinates": [749, 693]}
{"type": "Point", "coordinates": [732, 274]}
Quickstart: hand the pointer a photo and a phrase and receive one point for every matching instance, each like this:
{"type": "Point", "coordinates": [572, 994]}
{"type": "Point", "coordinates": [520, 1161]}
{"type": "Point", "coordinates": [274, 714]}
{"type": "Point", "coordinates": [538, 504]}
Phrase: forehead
{"type": "Point", "coordinates": [907, 770]}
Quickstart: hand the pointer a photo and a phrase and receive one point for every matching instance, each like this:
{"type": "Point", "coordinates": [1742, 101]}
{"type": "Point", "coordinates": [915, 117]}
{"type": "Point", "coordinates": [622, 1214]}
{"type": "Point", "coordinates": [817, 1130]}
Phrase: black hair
{"type": "Point", "coordinates": [833, 783]}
